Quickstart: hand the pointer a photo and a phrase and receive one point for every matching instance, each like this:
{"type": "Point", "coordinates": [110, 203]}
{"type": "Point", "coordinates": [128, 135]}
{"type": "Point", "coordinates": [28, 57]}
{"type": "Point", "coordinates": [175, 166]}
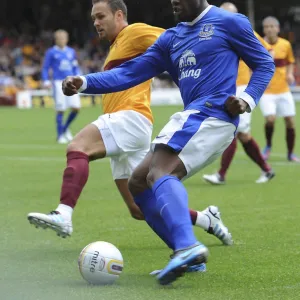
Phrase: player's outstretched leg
{"type": "Point", "coordinates": [87, 145]}
{"type": "Point", "coordinates": [170, 204]}
{"type": "Point", "coordinates": [227, 157]}
{"type": "Point", "coordinates": [145, 199]}
{"type": "Point", "coordinates": [210, 220]}
{"type": "Point", "coordinates": [146, 202]}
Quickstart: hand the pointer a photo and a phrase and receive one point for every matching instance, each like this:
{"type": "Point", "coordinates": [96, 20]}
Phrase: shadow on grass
{"type": "Point", "coordinates": [133, 281]}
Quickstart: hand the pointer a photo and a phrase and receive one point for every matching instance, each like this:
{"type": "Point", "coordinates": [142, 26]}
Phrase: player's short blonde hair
{"type": "Point", "coordinates": [115, 5]}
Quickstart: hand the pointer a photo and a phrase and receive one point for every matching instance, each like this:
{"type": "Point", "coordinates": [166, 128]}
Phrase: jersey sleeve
{"type": "Point", "coordinates": [290, 54]}
{"type": "Point", "coordinates": [129, 74]}
{"type": "Point", "coordinates": [248, 47]}
{"type": "Point", "coordinates": [46, 65]}
{"type": "Point", "coordinates": [144, 36]}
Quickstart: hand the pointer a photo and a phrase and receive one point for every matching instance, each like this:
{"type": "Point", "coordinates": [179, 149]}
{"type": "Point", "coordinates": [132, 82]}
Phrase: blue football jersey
{"type": "Point", "coordinates": [62, 62]}
{"type": "Point", "coordinates": [203, 58]}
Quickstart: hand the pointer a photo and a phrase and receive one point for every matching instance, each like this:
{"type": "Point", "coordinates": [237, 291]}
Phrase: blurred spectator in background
{"type": "Point", "coordinates": [28, 32]}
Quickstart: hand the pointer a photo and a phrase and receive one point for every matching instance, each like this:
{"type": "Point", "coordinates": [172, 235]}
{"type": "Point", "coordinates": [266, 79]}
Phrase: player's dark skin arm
{"type": "Point", "coordinates": [234, 105]}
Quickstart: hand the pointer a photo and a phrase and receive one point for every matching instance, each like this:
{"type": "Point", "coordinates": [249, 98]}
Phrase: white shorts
{"type": "Point", "coordinates": [127, 136]}
{"type": "Point", "coordinates": [197, 138]}
{"type": "Point", "coordinates": [245, 118]}
{"type": "Point", "coordinates": [63, 102]}
{"type": "Point", "coordinates": [280, 105]}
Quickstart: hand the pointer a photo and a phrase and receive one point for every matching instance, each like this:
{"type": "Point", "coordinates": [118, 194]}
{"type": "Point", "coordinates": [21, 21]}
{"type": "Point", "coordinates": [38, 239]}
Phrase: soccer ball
{"type": "Point", "coordinates": [100, 263]}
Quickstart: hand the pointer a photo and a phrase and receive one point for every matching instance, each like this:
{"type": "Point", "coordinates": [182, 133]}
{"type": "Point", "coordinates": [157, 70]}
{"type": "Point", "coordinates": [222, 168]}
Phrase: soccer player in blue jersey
{"type": "Point", "coordinates": [62, 62]}
{"type": "Point", "coordinates": [202, 55]}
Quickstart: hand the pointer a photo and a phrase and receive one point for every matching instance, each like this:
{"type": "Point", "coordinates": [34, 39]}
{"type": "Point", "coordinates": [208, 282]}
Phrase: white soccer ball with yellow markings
{"type": "Point", "coordinates": [100, 263]}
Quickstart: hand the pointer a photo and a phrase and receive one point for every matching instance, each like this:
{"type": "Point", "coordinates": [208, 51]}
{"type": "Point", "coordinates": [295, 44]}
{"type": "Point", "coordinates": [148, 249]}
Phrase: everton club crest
{"type": "Point", "coordinates": [207, 30]}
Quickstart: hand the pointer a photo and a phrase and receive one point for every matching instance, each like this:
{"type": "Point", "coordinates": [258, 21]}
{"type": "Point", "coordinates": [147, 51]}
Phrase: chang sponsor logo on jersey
{"type": "Point", "coordinates": [186, 63]}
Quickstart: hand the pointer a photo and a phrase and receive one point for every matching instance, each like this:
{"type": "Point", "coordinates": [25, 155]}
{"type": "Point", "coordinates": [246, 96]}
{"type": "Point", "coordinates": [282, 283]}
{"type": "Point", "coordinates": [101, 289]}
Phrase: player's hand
{"type": "Point", "coordinates": [136, 212]}
{"type": "Point", "coordinates": [236, 106]}
{"type": "Point", "coordinates": [290, 78]}
{"type": "Point", "coordinates": [71, 85]}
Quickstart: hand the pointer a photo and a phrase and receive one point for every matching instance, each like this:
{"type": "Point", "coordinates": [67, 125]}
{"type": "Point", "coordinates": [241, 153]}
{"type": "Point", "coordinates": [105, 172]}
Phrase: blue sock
{"type": "Point", "coordinates": [172, 205]}
{"type": "Point", "coordinates": [72, 115]}
{"type": "Point", "coordinates": [59, 124]}
{"type": "Point", "coordinates": [146, 202]}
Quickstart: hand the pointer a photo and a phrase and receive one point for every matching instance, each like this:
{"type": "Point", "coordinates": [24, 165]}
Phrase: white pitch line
{"type": "Point", "coordinates": [42, 159]}
{"type": "Point", "coordinates": [273, 163]}
{"type": "Point", "coordinates": [58, 147]}
{"type": "Point", "coordinates": [279, 155]}
{"type": "Point", "coordinates": [31, 146]}
{"type": "Point", "coordinates": [282, 163]}
{"type": "Point", "coordinates": [32, 158]}
{"type": "Point", "coordinates": [63, 159]}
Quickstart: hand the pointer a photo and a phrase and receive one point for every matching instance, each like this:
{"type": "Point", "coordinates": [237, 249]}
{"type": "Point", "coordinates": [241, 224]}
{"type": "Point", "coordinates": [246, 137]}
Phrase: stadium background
{"type": "Point", "coordinates": [28, 32]}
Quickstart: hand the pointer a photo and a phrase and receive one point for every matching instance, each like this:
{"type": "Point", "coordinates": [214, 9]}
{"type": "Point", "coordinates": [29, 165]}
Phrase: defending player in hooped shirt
{"type": "Point", "coordinates": [129, 110]}
{"type": "Point", "coordinates": [243, 131]}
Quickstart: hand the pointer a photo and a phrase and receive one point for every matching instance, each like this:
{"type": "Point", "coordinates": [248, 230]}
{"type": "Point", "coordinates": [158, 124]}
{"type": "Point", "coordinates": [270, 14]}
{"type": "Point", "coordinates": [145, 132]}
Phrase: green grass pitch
{"type": "Point", "coordinates": [37, 265]}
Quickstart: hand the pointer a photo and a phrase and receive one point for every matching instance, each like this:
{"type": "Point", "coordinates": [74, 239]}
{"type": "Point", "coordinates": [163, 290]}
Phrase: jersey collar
{"type": "Point", "coordinates": [206, 10]}
{"type": "Point", "coordinates": [118, 35]}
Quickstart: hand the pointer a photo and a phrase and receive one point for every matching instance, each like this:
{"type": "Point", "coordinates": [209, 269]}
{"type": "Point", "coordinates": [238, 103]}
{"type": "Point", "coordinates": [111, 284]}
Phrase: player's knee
{"type": "Point", "coordinates": [153, 175]}
{"type": "Point", "coordinates": [156, 173]}
{"type": "Point", "coordinates": [136, 184]}
{"type": "Point", "coordinates": [75, 146]}
{"type": "Point", "coordinates": [289, 122]}
{"type": "Point", "coordinates": [270, 120]}
{"type": "Point", "coordinates": [76, 110]}
{"type": "Point", "coordinates": [244, 137]}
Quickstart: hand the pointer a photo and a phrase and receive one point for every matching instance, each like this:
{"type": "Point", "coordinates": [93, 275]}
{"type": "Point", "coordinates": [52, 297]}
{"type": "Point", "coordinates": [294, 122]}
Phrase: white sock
{"type": "Point", "coordinates": [66, 211]}
{"type": "Point", "coordinates": [202, 220]}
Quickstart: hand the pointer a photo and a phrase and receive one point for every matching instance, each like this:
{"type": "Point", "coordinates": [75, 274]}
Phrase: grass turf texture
{"type": "Point", "coordinates": [35, 264]}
